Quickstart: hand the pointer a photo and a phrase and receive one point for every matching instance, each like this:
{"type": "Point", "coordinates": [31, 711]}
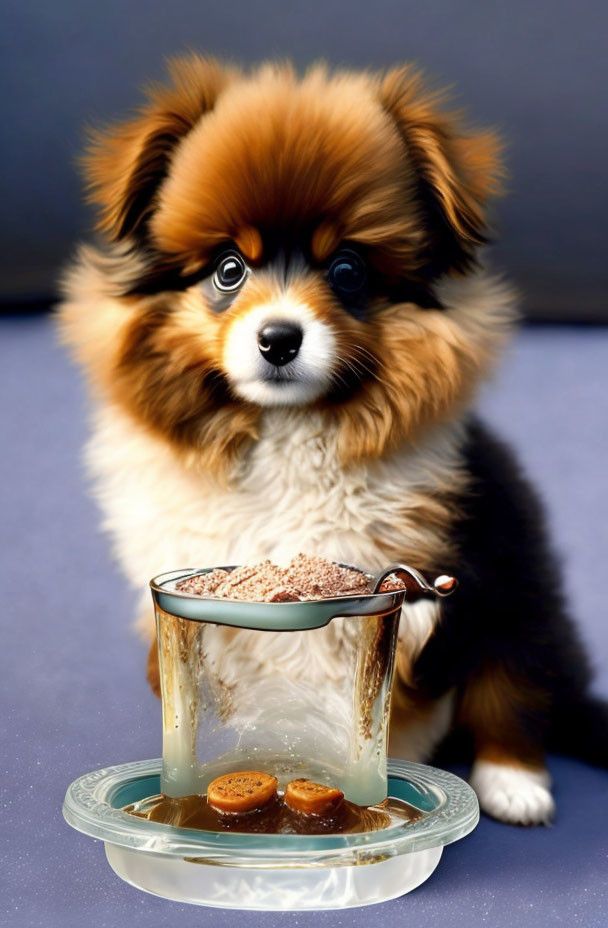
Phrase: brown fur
{"type": "Point", "coordinates": [462, 169]}
{"type": "Point", "coordinates": [124, 163]}
{"type": "Point", "coordinates": [167, 375]}
{"type": "Point", "coordinates": [504, 714]}
{"type": "Point", "coordinates": [402, 400]}
{"type": "Point", "coordinates": [219, 155]}
{"type": "Point", "coordinates": [153, 669]}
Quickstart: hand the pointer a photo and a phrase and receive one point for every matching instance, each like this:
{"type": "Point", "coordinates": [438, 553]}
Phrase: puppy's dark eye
{"type": "Point", "coordinates": [347, 274]}
{"type": "Point", "coordinates": [230, 273]}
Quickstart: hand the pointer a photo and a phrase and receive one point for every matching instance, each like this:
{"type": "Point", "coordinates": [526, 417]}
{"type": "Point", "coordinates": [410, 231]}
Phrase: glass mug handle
{"type": "Point", "coordinates": [416, 585]}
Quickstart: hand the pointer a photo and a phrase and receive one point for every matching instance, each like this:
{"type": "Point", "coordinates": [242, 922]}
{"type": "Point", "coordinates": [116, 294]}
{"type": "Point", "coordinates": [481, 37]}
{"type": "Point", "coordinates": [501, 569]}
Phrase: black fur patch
{"type": "Point", "coordinates": [509, 608]}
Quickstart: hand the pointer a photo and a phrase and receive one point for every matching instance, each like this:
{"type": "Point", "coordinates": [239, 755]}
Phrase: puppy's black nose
{"type": "Point", "coordinates": [279, 342]}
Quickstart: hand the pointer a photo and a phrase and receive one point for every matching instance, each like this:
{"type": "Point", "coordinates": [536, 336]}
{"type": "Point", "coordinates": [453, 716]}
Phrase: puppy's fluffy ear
{"type": "Point", "coordinates": [457, 170]}
{"type": "Point", "coordinates": [125, 164]}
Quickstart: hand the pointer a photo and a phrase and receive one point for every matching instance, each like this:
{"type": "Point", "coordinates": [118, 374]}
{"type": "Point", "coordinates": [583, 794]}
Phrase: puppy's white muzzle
{"type": "Point", "coordinates": [289, 383]}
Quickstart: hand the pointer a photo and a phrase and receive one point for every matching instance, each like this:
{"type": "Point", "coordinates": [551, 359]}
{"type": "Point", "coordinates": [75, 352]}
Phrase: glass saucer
{"type": "Point", "coordinates": [272, 872]}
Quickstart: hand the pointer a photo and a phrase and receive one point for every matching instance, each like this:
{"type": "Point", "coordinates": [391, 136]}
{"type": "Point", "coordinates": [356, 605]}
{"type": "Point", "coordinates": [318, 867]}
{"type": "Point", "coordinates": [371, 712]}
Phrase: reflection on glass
{"type": "Point", "coordinates": [308, 703]}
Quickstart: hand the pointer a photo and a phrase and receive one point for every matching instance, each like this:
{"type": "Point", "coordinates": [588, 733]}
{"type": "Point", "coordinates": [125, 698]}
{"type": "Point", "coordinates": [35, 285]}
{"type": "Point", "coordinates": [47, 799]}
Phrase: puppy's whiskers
{"type": "Point", "coordinates": [376, 364]}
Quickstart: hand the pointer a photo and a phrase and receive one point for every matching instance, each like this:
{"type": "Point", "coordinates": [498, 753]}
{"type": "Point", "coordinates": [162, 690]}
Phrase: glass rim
{"type": "Point", "coordinates": [263, 616]}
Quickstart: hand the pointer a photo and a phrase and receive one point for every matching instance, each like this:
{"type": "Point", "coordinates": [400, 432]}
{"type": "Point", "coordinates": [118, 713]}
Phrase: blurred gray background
{"type": "Point", "coordinates": [537, 70]}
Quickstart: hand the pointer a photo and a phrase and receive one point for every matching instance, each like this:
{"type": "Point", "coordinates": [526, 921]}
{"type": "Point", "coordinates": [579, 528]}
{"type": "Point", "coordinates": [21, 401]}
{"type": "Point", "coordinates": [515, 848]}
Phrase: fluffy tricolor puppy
{"type": "Point", "coordinates": [284, 325]}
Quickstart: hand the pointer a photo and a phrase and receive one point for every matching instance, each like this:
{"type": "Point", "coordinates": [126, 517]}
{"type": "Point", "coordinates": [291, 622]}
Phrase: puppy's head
{"type": "Point", "coordinates": [284, 241]}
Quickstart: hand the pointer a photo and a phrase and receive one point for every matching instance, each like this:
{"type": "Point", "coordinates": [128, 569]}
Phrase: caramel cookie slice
{"type": "Point", "coordinates": [242, 791]}
{"type": "Point", "coordinates": [313, 798]}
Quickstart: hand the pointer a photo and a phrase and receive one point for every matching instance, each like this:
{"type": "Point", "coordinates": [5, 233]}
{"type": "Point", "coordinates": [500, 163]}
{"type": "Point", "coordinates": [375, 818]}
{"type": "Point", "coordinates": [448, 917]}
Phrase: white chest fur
{"type": "Point", "coordinates": [289, 496]}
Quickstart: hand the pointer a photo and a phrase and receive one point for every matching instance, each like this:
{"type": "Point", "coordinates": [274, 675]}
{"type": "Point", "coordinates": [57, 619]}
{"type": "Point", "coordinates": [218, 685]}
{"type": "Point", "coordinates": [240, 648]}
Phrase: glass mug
{"type": "Point", "coordinates": [295, 689]}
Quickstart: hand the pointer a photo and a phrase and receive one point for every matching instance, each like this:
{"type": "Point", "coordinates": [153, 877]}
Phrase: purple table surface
{"type": "Point", "coordinates": [75, 697]}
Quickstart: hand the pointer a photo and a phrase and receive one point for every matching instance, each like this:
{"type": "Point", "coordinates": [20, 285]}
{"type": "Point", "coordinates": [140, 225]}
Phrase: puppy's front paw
{"type": "Point", "coordinates": [514, 795]}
